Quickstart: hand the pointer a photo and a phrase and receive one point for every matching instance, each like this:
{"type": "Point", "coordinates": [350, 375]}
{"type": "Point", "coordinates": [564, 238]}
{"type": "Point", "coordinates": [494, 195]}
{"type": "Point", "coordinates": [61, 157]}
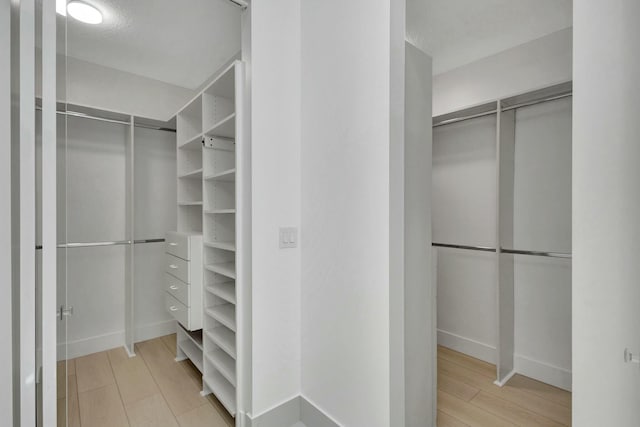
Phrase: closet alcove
{"type": "Point", "coordinates": [502, 235]}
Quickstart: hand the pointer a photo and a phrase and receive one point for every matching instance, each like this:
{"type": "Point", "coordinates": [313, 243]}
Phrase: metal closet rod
{"type": "Point", "coordinates": [465, 247]}
{"type": "Point", "coordinates": [108, 243]}
{"type": "Point", "coordinates": [537, 253]}
{"type": "Point", "coordinates": [511, 107]}
{"type": "Point", "coordinates": [104, 119]}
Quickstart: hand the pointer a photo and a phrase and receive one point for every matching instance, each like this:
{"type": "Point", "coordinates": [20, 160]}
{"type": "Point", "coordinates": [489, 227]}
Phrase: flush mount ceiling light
{"type": "Point", "coordinates": [83, 12]}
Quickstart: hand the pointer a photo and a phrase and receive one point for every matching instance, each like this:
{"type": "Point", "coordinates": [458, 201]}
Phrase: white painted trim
{"type": "Point", "coordinates": [467, 346]}
{"type": "Point", "coordinates": [549, 374]}
{"type": "Point", "coordinates": [48, 316]}
{"type": "Point", "coordinates": [501, 383]}
{"type": "Point", "coordinates": [285, 413]}
{"type": "Point", "coordinates": [27, 227]}
{"type": "Point", "coordinates": [108, 341]}
{"type": "Point", "coordinates": [313, 416]}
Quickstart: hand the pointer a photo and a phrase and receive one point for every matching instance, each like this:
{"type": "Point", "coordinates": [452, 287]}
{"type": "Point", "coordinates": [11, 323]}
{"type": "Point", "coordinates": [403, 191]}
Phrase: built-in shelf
{"type": "Point", "coordinates": [223, 389]}
{"type": "Point", "coordinates": [196, 203]}
{"type": "Point", "coordinates": [225, 268]}
{"type": "Point", "coordinates": [220, 211]}
{"type": "Point", "coordinates": [227, 246]}
{"type": "Point", "coordinates": [223, 338]}
{"type": "Point", "coordinates": [225, 314]}
{"type": "Point", "coordinates": [193, 143]}
{"type": "Point", "coordinates": [224, 290]}
{"type": "Point", "coordinates": [225, 128]}
{"type": "Point", "coordinates": [227, 175]}
{"type": "Point", "coordinates": [224, 364]}
{"type": "Point", "coordinates": [195, 174]}
{"type": "Point", "coordinates": [193, 353]}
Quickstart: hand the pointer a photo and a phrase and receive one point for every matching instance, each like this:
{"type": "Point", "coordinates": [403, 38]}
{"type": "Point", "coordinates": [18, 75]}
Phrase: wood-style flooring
{"type": "Point", "coordinates": [110, 389]}
{"type": "Point", "coordinates": [467, 396]}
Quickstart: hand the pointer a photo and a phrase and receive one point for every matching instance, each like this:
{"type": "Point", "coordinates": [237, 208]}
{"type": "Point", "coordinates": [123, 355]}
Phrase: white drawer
{"type": "Point", "coordinates": [178, 244]}
{"type": "Point", "coordinates": [177, 267]}
{"type": "Point", "coordinates": [178, 289]}
{"type": "Point", "coordinates": [178, 310]}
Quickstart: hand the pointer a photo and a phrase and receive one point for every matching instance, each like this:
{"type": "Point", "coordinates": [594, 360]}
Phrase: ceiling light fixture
{"type": "Point", "coordinates": [61, 7]}
{"type": "Point", "coordinates": [84, 12]}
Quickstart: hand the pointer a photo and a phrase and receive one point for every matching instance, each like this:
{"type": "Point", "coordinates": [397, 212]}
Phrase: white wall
{"type": "Point", "coordinates": [92, 85]}
{"type": "Point", "coordinates": [606, 203]}
{"type": "Point", "coordinates": [537, 64]}
{"type": "Point", "coordinates": [345, 209]}
{"type": "Point", "coordinates": [6, 404]}
{"type": "Point", "coordinates": [275, 68]}
{"type": "Point", "coordinates": [464, 212]}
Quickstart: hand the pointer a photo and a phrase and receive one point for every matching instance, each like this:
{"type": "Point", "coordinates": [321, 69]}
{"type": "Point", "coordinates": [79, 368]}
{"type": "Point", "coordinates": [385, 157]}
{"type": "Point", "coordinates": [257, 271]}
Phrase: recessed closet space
{"type": "Point", "coordinates": [151, 170]}
{"type": "Point", "coordinates": [502, 231]}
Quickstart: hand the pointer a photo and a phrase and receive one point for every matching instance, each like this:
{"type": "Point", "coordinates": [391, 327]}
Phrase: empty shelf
{"type": "Point", "coordinates": [196, 203]}
{"type": "Point", "coordinates": [193, 143]}
{"type": "Point", "coordinates": [227, 246]}
{"type": "Point", "coordinates": [228, 175]}
{"type": "Point", "coordinates": [226, 268]}
{"type": "Point", "coordinates": [224, 364]}
{"type": "Point", "coordinates": [196, 174]}
{"type": "Point", "coordinates": [225, 128]}
{"type": "Point", "coordinates": [224, 391]}
{"type": "Point", "coordinates": [223, 338]}
{"type": "Point", "coordinates": [225, 290]}
{"type": "Point", "coordinates": [193, 353]}
{"type": "Point", "coordinates": [225, 314]}
{"type": "Point", "coordinates": [220, 211]}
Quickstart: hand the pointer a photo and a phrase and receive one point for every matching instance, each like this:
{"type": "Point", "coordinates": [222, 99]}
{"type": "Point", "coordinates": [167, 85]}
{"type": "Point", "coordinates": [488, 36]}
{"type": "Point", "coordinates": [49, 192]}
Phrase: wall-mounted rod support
{"type": "Point", "coordinates": [108, 120]}
{"type": "Point", "coordinates": [240, 3]}
{"type": "Point", "coordinates": [465, 247]}
{"type": "Point", "coordinates": [464, 118]}
{"type": "Point", "coordinates": [536, 253]}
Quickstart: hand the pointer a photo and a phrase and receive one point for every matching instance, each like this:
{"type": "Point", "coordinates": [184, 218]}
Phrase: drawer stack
{"type": "Point", "coordinates": [183, 278]}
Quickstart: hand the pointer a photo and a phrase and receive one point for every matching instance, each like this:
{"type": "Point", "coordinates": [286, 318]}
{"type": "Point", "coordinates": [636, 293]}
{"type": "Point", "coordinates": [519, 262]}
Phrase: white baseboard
{"type": "Point", "coordinates": [549, 374]}
{"type": "Point", "coordinates": [467, 346]}
{"type": "Point", "coordinates": [295, 410]}
{"type": "Point", "coordinates": [85, 346]}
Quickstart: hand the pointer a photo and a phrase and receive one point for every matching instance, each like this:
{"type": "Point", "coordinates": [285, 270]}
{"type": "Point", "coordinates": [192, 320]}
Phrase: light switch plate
{"type": "Point", "coordinates": [288, 237]}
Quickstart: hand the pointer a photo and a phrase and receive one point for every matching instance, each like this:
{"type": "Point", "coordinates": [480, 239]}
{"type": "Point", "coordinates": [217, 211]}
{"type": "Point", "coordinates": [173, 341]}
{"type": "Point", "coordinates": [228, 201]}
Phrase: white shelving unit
{"type": "Point", "coordinates": [210, 161]}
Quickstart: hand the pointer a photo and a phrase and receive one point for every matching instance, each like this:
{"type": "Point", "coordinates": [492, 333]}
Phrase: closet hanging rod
{"type": "Point", "coordinates": [537, 253]}
{"type": "Point", "coordinates": [464, 118]}
{"type": "Point", "coordinates": [465, 247]}
{"type": "Point", "coordinates": [538, 101]}
{"type": "Point", "coordinates": [104, 119]}
{"type": "Point", "coordinates": [112, 243]}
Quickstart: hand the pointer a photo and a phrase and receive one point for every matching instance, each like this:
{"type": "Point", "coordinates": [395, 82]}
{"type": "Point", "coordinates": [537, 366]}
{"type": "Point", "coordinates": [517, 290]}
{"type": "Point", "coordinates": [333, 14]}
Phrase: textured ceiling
{"type": "Point", "coordinates": [458, 32]}
{"type": "Point", "coordinates": [178, 42]}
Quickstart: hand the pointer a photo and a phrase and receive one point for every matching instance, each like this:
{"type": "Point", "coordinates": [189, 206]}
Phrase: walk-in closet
{"type": "Point", "coordinates": [151, 171]}
{"type": "Point", "coordinates": [502, 230]}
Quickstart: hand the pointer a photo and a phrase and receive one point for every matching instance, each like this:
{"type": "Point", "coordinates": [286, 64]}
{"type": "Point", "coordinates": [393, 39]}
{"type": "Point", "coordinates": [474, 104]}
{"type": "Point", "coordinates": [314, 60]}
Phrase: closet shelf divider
{"type": "Point", "coordinates": [194, 174]}
{"type": "Point", "coordinates": [226, 175]}
{"type": "Point", "coordinates": [225, 314]}
{"type": "Point", "coordinates": [227, 269]}
{"type": "Point", "coordinates": [224, 391]}
{"type": "Point", "coordinates": [224, 290]}
{"type": "Point", "coordinates": [224, 364]}
{"type": "Point", "coordinates": [225, 128]}
{"type": "Point", "coordinates": [223, 338]}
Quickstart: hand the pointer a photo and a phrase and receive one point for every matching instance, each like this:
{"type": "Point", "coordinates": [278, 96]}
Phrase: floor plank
{"type": "Point", "coordinates": [479, 366]}
{"type": "Point", "coordinates": [102, 407]}
{"type": "Point", "coordinates": [180, 392]}
{"type": "Point", "coordinates": [456, 388]}
{"type": "Point", "coordinates": [93, 371]}
{"type": "Point", "coordinates": [546, 391]}
{"type": "Point", "coordinates": [468, 413]}
{"type": "Point", "coordinates": [446, 420]}
{"type": "Point", "coordinates": [132, 375]}
{"type": "Point", "coordinates": [170, 342]}
{"type": "Point", "coordinates": [510, 411]}
{"type": "Point", "coordinates": [520, 397]}
{"type": "Point", "coordinates": [201, 416]}
{"type": "Point", "coordinates": [151, 411]}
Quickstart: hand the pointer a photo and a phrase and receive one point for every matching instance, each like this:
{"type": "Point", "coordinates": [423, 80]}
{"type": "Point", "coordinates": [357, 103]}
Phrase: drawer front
{"type": "Point", "coordinates": [178, 244]}
{"type": "Point", "coordinates": [178, 289]}
{"type": "Point", "coordinates": [177, 267]}
{"type": "Point", "coordinates": [178, 310]}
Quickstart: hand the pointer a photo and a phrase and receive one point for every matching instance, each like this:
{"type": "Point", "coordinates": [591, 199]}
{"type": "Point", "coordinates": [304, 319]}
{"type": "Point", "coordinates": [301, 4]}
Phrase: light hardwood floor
{"type": "Point", "coordinates": [109, 389]}
{"type": "Point", "coordinates": [467, 396]}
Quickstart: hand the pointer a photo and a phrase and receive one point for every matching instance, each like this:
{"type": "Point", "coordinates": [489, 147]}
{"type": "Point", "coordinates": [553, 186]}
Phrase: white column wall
{"type": "Point", "coordinates": [275, 106]}
{"type": "Point", "coordinates": [606, 206]}
{"type": "Point", "coordinates": [345, 209]}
